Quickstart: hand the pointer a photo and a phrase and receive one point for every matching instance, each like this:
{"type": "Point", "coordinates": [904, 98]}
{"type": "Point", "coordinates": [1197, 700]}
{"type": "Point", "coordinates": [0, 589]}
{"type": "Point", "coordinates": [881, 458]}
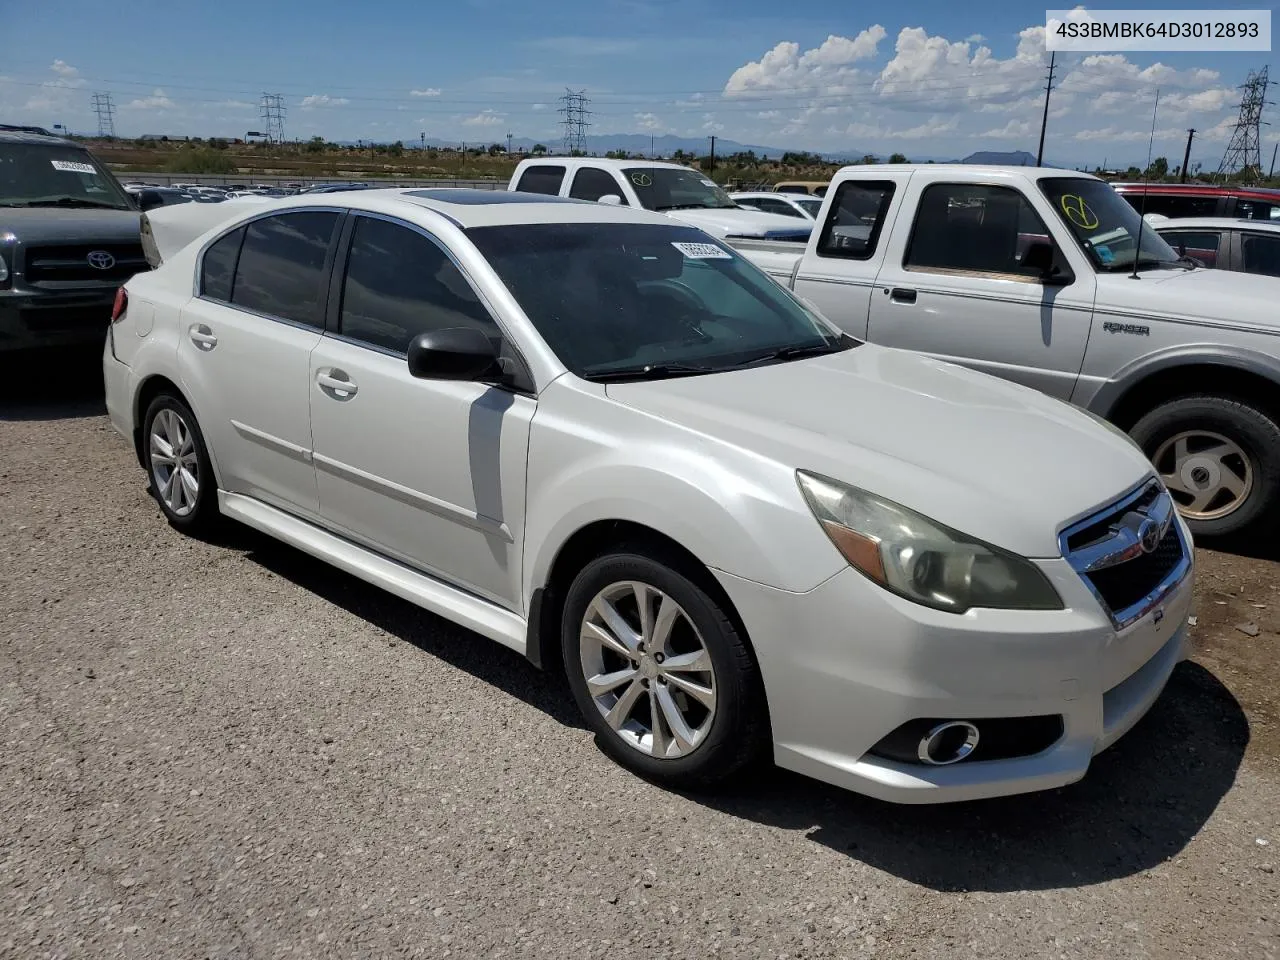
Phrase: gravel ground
{"type": "Point", "coordinates": [228, 749]}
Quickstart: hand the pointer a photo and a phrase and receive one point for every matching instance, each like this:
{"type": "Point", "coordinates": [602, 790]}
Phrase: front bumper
{"type": "Point", "coordinates": [847, 663]}
{"type": "Point", "coordinates": [69, 318]}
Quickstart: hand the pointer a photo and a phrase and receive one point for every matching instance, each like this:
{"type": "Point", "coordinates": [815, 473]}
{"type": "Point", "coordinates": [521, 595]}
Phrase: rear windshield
{"type": "Point", "coordinates": [50, 175]}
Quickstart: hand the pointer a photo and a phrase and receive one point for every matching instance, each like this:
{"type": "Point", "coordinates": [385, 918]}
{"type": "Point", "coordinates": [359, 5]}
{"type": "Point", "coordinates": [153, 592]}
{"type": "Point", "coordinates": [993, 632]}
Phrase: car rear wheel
{"type": "Point", "coordinates": [660, 672]}
{"type": "Point", "coordinates": [1220, 459]}
{"type": "Point", "coordinates": [178, 465]}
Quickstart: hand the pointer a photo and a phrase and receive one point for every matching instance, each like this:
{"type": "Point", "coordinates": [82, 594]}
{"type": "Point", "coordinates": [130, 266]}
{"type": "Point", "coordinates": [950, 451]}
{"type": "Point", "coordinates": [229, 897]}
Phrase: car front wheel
{"type": "Point", "coordinates": [661, 674]}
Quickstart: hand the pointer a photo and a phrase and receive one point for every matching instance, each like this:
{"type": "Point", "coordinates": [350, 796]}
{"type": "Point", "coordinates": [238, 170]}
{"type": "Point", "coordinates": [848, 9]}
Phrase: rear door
{"type": "Point", "coordinates": [838, 270]}
{"type": "Point", "coordinates": [952, 286]}
{"type": "Point", "coordinates": [244, 349]}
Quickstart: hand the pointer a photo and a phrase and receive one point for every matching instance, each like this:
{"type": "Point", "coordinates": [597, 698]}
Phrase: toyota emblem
{"type": "Point", "coordinates": [100, 260]}
{"type": "Point", "coordinates": [1149, 535]}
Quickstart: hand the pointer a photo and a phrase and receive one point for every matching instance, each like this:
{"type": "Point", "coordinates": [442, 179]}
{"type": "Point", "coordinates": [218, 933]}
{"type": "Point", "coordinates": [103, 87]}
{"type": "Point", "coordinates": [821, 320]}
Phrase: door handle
{"type": "Point", "coordinates": [202, 336]}
{"type": "Point", "coordinates": [337, 384]}
{"type": "Point", "coordinates": [902, 295]}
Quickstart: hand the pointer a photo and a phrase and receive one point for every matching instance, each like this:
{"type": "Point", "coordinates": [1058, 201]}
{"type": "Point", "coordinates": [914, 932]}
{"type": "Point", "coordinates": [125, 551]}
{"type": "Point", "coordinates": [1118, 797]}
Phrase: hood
{"type": "Point", "coordinates": [1224, 296]}
{"type": "Point", "coordinates": [745, 223]}
{"type": "Point", "coordinates": [992, 459]}
{"type": "Point", "coordinates": [171, 228]}
{"type": "Point", "coordinates": [34, 225]}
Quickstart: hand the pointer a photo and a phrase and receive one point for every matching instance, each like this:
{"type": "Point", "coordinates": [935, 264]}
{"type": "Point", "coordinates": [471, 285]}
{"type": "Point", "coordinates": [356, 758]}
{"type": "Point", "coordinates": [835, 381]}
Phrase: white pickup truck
{"type": "Point", "coordinates": [681, 193]}
{"type": "Point", "coordinates": [1040, 276]}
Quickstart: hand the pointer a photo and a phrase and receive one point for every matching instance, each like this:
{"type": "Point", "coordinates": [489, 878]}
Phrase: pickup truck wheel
{"type": "Point", "coordinates": [660, 673]}
{"type": "Point", "coordinates": [1220, 460]}
{"type": "Point", "coordinates": [178, 465]}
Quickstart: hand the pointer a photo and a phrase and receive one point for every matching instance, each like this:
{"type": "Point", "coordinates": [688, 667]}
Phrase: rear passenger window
{"type": "Point", "coordinates": [281, 267]}
{"type": "Point", "coordinates": [219, 266]}
{"type": "Point", "coordinates": [543, 178]}
{"type": "Point", "coordinates": [855, 219]}
{"type": "Point", "coordinates": [592, 184]}
{"type": "Point", "coordinates": [400, 284]}
{"type": "Point", "coordinates": [1201, 246]}
{"type": "Point", "coordinates": [1261, 254]}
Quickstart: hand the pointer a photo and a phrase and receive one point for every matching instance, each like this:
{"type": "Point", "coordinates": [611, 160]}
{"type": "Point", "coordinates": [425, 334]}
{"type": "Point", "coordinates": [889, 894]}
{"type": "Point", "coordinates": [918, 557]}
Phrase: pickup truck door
{"type": "Point", "coordinates": [837, 271]}
{"type": "Point", "coordinates": [953, 285]}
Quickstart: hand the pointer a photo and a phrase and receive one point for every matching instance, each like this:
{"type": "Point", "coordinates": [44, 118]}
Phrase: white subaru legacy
{"type": "Point", "coordinates": [609, 442]}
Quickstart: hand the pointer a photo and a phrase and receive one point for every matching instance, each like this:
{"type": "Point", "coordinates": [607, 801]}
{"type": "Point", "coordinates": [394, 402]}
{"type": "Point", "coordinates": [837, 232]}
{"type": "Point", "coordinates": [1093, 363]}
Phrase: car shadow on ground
{"type": "Point", "coordinates": [51, 385]}
{"type": "Point", "coordinates": [1142, 802]}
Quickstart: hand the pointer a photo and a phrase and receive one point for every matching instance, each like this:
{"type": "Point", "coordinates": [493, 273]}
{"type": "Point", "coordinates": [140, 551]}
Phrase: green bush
{"type": "Point", "coordinates": [200, 161]}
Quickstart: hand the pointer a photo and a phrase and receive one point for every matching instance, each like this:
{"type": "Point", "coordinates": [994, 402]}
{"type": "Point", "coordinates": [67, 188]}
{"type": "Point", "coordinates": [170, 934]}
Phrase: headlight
{"type": "Point", "coordinates": [919, 559]}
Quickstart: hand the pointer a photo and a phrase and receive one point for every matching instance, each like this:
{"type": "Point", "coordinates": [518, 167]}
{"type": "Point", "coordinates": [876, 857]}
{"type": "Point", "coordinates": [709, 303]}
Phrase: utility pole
{"type": "Point", "coordinates": [1271, 172]}
{"type": "Point", "coordinates": [713, 153]}
{"type": "Point", "coordinates": [1044, 121]}
{"type": "Point", "coordinates": [423, 138]}
{"type": "Point", "coordinates": [1186, 157]}
{"type": "Point", "coordinates": [508, 143]}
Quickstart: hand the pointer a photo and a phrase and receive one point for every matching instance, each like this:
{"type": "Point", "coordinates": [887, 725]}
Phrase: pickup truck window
{"type": "Point", "coordinates": [974, 228]}
{"type": "Point", "coordinates": [592, 184]}
{"type": "Point", "coordinates": [676, 188]}
{"type": "Point", "coordinates": [856, 217]}
{"type": "Point", "coordinates": [541, 178]}
{"type": "Point", "coordinates": [648, 300]}
{"type": "Point", "coordinates": [1105, 226]}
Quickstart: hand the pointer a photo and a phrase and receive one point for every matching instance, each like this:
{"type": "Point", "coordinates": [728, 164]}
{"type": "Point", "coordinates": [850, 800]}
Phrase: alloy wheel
{"type": "Point", "coordinates": [647, 670]}
{"type": "Point", "coordinates": [175, 467]}
{"type": "Point", "coordinates": [1208, 475]}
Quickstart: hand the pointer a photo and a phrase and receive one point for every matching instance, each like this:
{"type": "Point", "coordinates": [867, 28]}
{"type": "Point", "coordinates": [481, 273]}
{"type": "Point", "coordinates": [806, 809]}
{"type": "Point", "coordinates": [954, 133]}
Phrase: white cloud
{"type": "Point", "coordinates": [323, 100]}
{"type": "Point", "coordinates": [427, 92]}
{"type": "Point", "coordinates": [64, 69]}
{"type": "Point", "coordinates": [539, 106]}
{"type": "Point", "coordinates": [1013, 130]}
{"type": "Point", "coordinates": [975, 38]}
{"type": "Point", "coordinates": [237, 104]}
{"type": "Point", "coordinates": [927, 69]}
{"type": "Point", "coordinates": [157, 101]}
{"type": "Point", "coordinates": [648, 121]}
{"type": "Point", "coordinates": [822, 70]}
{"type": "Point", "coordinates": [485, 118]}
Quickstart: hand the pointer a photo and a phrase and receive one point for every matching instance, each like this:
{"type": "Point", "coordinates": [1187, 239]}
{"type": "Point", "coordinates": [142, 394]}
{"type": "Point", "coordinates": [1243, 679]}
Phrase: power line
{"type": "Point", "coordinates": [576, 119]}
{"type": "Point", "coordinates": [273, 110]}
{"type": "Point", "coordinates": [106, 111]}
{"type": "Point", "coordinates": [1244, 151]}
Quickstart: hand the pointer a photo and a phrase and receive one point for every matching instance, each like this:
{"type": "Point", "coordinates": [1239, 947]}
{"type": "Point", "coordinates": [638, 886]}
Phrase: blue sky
{"type": "Point", "coordinates": [931, 78]}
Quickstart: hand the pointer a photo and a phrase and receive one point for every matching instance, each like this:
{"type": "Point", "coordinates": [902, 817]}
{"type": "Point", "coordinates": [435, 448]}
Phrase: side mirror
{"type": "Point", "coordinates": [1040, 257]}
{"type": "Point", "coordinates": [610, 200]}
{"type": "Point", "coordinates": [456, 353]}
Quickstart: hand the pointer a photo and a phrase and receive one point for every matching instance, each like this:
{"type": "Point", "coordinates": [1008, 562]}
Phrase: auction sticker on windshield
{"type": "Point", "coordinates": [701, 251]}
{"type": "Point", "coordinates": [70, 166]}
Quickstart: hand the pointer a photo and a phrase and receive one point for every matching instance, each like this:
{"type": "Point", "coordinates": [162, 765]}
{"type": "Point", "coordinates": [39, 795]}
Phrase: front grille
{"type": "Point", "coordinates": [1127, 575]}
{"type": "Point", "coordinates": [1125, 584]}
{"type": "Point", "coordinates": [71, 262]}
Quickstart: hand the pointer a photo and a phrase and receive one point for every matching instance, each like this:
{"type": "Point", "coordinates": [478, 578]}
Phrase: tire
{"type": "Point", "coordinates": [166, 416]}
{"type": "Point", "coordinates": [1210, 424]}
{"type": "Point", "coordinates": [732, 736]}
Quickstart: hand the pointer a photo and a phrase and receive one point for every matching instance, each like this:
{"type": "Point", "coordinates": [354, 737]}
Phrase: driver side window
{"type": "Point", "coordinates": [592, 184]}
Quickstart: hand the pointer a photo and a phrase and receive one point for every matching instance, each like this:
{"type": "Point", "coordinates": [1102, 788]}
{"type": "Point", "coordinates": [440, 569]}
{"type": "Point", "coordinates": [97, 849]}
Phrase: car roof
{"type": "Point", "coordinates": [607, 162]}
{"type": "Point", "coordinates": [466, 207]}
{"type": "Point", "coordinates": [993, 170]}
{"type": "Point", "coordinates": [1217, 223]}
{"type": "Point", "coordinates": [771, 195]}
{"type": "Point", "coordinates": [1201, 189]}
{"type": "Point", "coordinates": [36, 139]}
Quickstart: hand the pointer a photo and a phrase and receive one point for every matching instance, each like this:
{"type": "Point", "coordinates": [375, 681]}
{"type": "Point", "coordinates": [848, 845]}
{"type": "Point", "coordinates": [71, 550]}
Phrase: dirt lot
{"type": "Point", "coordinates": [230, 750]}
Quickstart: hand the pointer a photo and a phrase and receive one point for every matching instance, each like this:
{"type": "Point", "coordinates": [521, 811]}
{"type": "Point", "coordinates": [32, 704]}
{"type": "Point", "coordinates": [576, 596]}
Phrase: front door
{"type": "Point", "coordinates": [953, 286]}
{"type": "Point", "coordinates": [430, 472]}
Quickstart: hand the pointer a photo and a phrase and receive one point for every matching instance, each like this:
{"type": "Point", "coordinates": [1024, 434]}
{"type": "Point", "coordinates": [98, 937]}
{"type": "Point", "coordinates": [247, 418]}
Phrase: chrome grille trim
{"type": "Point", "coordinates": [1126, 520]}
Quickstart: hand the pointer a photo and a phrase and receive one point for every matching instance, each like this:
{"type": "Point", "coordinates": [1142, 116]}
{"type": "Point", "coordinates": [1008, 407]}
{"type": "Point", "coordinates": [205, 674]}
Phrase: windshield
{"type": "Point", "coordinates": [676, 188]}
{"type": "Point", "coordinates": [614, 297]}
{"type": "Point", "coordinates": [1105, 226]}
{"type": "Point", "coordinates": [37, 175]}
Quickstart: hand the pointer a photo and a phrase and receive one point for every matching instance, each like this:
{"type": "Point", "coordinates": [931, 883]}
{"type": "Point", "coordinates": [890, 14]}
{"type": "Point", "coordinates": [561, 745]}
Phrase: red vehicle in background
{"type": "Point", "coordinates": [1177, 200]}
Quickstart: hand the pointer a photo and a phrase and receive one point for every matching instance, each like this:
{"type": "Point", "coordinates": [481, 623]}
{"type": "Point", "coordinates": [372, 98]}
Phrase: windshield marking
{"type": "Point", "coordinates": [1078, 212]}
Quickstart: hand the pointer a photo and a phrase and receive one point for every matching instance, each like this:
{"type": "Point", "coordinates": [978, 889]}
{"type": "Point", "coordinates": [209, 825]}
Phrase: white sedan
{"type": "Point", "coordinates": [609, 442]}
{"type": "Point", "coordinates": [787, 204]}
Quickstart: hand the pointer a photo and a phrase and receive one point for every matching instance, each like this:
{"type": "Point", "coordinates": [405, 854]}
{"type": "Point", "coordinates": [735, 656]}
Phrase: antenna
{"type": "Point", "coordinates": [1146, 182]}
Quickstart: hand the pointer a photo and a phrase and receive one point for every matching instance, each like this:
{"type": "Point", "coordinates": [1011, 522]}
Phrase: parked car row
{"type": "Point", "coordinates": [149, 196]}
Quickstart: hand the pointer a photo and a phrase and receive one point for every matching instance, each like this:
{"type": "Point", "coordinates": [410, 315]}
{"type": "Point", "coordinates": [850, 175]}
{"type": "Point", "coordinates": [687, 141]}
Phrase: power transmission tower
{"type": "Point", "coordinates": [273, 117]}
{"type": "Point", "coordinates": [106, 111]}
{"type": "Point", "coordinates": [1244, 150]}
{"type": "Point", "coordinates": [575, 122]}
{"type": "Point", "coordinates": [1044, 121]}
